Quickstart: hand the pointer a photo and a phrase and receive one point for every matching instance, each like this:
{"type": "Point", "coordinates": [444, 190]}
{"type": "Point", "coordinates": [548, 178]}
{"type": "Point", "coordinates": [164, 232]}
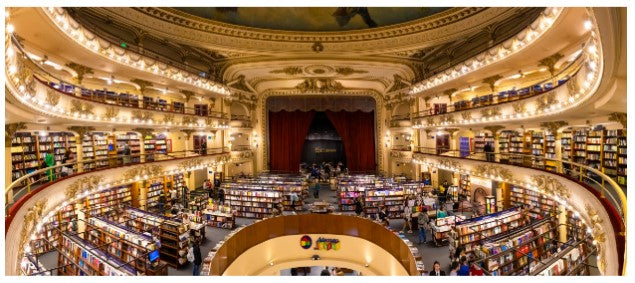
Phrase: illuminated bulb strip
{"type": "Point", "coordinates": [542, 24]}
{"type": "Point", "coordinates": [77, 33]}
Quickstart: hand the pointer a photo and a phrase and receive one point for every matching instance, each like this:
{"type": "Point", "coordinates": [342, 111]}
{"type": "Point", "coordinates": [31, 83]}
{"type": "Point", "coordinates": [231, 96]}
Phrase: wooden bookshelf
{"type": "Point", "coordinates": [614, 155]}
{"type": "Point", "coordinates": [538, 150]}
{"type": "Point", "coordinates": [130, 139]}
{"type": "Point", "coordinates": [516, 147]}
{"type": "Point", "coordinates": [219, 216]}
{"type": "Point", "coordinates": [550, 152]}
{"type": "Point", "coordinates": [349, 192]}
{"type": "Point", "coordinates": [539, 203]}
{"type": "Point", "coordinates": [80, 257]}
{"type": "Point", "coordinates": [594, 149]}
{"type": "Point", "coordinates": [48, 238]}
{"type": "Point", "coordinates": [391, 197]}
{"type": "Point", "coordinates": [108, 201]}
{"type": "Point", "coordinates": [251, 202]}
{"type": "Point", "coordinates": [473, 230]}
{"type": "Point", "coordinates": [24, 154]}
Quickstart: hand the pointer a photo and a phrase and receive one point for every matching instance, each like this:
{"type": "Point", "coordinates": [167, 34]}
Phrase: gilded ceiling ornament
{"type": "Point", "coordinates": [32, 215]}
{"type": "Point", "coordinates": [81, 70]}
{"type": "Point", "coordinates": [618, 117]}
{"type": "Point", "coordinates": [142, 115]}
{"type": "Point", "coordinates": [451, 130]}
{"type": "Point", "coordinates": [188, 94]}
{"type": "Point", "coordinates": [466, 115]}
{"type": "Point", "coordinates": [319, 85]}
{"type": "Point", "coordinates": [83, 184]}
{"type": "Point", "coordinates": [399, 83]}
{"type": "Point", "coordinates": [227, 102]}
{"type": "Point", "coordinates": [143, 84]}
{"type": "Point", "coordinates": [209, 121]}
{"type": "Point", "coordinates": [143, 131]}
{"type": "Point", "coordinates": [448, 118]}
{"type": "Point", "coordinates": [430, 120]}
{"type": "Point", "coordinates": [553, 126]}
{"type": "Point", "coordinates": [81, 107]}
{"type": "Point", "coordinates": [597, 232]}
{"type": "Point", "coordinates": [491, 81]}
{"type": "Point", "coordinates": [494, 128]}
{"type": "Point", "coordinates": [291, 71]}
{"type": "Point", "coordinates": [189, 164]}
{"type": "Point", "coordinates": [81, 130]}
{"type": "Point", "coordinates": [519, 107]}
{"type": "Point", "coordinates": [427, 131]}
{"type": "Point", "coordinates": [449, 92]}
{"type": "Point", "coordinates": [52, 97]}
{"type": "Point", "coordinates": [345, 71]}
{"type": "Point", "coordinates": [317, 47]}
{"type": "Point", "coordinates": [143, 170]}
{"type": "Point", "coordinates": [494, 171]}
{"type": "Point", "coordinates": [550, 62]}
{"type": "Point", "coordinates": [572, 87]}
{"type": "Point", "coordinates": [111, 112]}
{"type": "Point", "coordinates": [551, 185]}
{"type": "Point", "coordinates": [546, 101]}
{"type": "Point", "coordinates": [189, 120]}
{"type": "Point", "coordinates": [10, 130]}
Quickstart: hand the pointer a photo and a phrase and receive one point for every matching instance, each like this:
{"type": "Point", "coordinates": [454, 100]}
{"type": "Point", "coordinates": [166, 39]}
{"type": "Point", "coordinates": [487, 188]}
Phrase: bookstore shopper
{"type": "Point", "coordinates": [196, 251]}
{"type": "Point", "coordinates": [437, 270]}
{"type": "Point", "coordinates": [454, 268]}
{"type": "Point", "coordinates": [475, 269]}
{"type": "Point", "coordinates": [423, 220]}
{"type": "Point", "coordinates": [358, 206]}
{"type": "Point", "coordinates": [464, 269]}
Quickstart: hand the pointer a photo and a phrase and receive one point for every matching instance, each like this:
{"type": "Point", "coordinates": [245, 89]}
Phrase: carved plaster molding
{"type": "Point", "coordinates": [551, 186]}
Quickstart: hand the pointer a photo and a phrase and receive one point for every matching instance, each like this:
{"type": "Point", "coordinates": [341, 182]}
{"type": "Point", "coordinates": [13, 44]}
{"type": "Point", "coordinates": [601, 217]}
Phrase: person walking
{"type": "Point", "coordinates": [294, 200]}
{"type": "Point", "coordinates": [198, 259]}
{"type": "Point", "coordinates": [436, 271]}
{"type": "Point", "coordinates": [221, 196]}
{"type": "Point", "coordinates": [422, 220]}
{"type": "Point", "coordinates": [316, 188]}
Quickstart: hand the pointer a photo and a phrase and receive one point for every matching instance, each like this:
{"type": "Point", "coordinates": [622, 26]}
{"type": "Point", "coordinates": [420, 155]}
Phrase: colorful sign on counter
{"type": "Point", "coordinates": [322, 244]}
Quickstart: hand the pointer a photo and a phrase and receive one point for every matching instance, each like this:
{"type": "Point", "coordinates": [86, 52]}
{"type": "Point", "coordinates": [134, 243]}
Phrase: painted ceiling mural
{"type": "Point", "coordinates": [312, 18]}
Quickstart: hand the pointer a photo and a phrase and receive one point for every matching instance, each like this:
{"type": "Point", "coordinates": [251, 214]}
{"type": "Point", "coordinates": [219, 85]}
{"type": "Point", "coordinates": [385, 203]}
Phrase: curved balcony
{"type": "Point", "coordinates": [511, 95]}
{"type": "Point", "coordinates": [396, 251]}
{"type": "Point", "coordinates": [240, 121]}
{"type": "Point", "coordinates": [32, 192]}
{"type": "Point", "coordinates": [402, 120]}
{"type": "Point", "coordinates": [596, 196]}
{"type": "Point", "coordinates": [34, 92]}
{"type": "Point", "coordinates": [102, 47]}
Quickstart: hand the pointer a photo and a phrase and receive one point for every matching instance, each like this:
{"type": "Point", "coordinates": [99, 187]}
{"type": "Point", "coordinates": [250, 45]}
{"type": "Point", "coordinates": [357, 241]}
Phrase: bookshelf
{"type": "Point", "coordinates": [442, 227]}
{"type": "Point", "coordinates": [80, 257]}
{"type": "Point", "coordinates": [391, 198]}
{"type": "Point", "coordinates": [550, 152]}
{"type": "Point", "coordinates": [154, 190]}
{"type": "Point", "coordinates": [569, 261]}
{"type": "Point", "coordinates": [539, 204]}
{"type": "Point", "coordinates": [108, 201]}
{"type": "Point", "coordinates": [579, 147]}
{"type": "Point", "coordinates": [251, 202]}
{"type": "Point", "coordinates": [60, 142]}
{"type": "Point", "coordinates": [518, 250]}
{"type": "Point", "coordinates": [174, 235]}
{"type": "Point", "coordinates": [504, 144]}
{"type": "Point", "coordinates": [614, 155]}
{"type": "Point", "coordinates": [348, 192]}
{"type": "Point", "coordinates": [538, 149]}
{"type": "Point", "coordinates": [24, 155]}
{"type": "Point", "coordinates": [100, 145]}
{"type": "Point", "coordinates": [465, 185]}
{"type": "Point", "coordinates": [219, 216]}
{"type": "Point", "coordinates": [516, 147]}
{"type": "Point", "coordinates": [48, 238]}
{"type": "Point", "coordinates": [621, 160]}
{"type": "Point", "coordinates": [473, 230]}
{"type": "Point", "coordinates": [286, 184]}
{"type": "Point", "coordinates": [481, 140]}
{"type": "Point", "coordinates": [594, 149]}
{"type": "Point", "coordinates": [132, 140]}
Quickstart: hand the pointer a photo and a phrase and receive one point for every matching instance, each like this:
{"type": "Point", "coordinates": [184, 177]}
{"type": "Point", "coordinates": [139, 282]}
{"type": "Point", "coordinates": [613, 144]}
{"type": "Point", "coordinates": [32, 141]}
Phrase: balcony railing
{"type": "Point", "coordinates": [401, 147]}
{"type": "Point", "coordinates": [241, 147]}
{"type": "Point", "coordinates": [236, 117]}
{"type": "Point", "coordinates": [563, 76]}
{"type": "Point", "coordinates": [24, 185]}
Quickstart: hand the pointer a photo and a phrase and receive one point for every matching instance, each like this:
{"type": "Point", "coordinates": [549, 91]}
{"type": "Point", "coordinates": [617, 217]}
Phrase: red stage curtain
{"type": "Point", "coordinates": [287, 132]}
{"type": "Point", "coordinates": [357, 130]}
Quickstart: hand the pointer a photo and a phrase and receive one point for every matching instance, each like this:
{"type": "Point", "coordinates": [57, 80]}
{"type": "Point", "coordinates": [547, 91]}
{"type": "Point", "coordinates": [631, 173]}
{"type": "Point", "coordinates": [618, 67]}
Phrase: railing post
{"type": "Point", "coordinates": [602, 192]}
{"type": "Point", "coordinates": [580, 173]}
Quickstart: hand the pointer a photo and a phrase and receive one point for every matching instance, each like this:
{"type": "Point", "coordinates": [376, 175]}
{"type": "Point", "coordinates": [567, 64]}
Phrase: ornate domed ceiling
{"type": "Point", "coordinates": [312, 18]}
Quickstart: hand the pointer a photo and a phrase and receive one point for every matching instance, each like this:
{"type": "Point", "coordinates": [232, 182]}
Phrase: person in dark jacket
{"type": "Point", "coordinates": [204, 147]}
{"type": "Point", "coordinates": [437, 270]}
{"type": "Point", "coordinates": [221, 196]}
{"type": "Point", "coordinates": [359, 207]}
{"type": "Point", "coordinates": [198, 259]}
{"type": "Point", "coordinates": [325, 272]}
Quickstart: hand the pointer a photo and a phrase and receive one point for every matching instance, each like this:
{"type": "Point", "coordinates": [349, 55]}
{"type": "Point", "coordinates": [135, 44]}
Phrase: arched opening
{"type": "Point", "coordinates": [323, 143]}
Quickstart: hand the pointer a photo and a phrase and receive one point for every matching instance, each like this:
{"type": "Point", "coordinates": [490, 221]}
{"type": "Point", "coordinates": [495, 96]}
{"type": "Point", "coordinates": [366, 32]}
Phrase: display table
{"type": "Point", "coordinates": [321, 207]}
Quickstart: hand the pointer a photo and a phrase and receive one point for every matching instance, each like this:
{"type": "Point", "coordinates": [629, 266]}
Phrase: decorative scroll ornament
{"type": "Point", "coordinates": [572, 87]}
{"type": "Point", "coordinates": [490, 112]}
{"type": "Point", "coordinates": [142, 115]}
{"type": "Point", "coordinates": [209, 121]}
{"type": "Point", "coordinates": [188, 94]}
{"type": "Point", "coordinates": [448, 118]}
{"type": "Point", "coordinates": [143, 131]}
{"type": "Point", "coordinates": [553, 126]}
{"type": "Point", "coordinates": [427, 131]}
{"type": "Point", "coordinates": [491, 81]}
{"type": "Point", "coordinates": [598, 234]}
{"type": "Point", "coordinates": [291, 71]}
{"type": "Point", "coordinates": [81, 70]}
{"type": "Point", "coordinates": [494, 171]}
{"type": "Point", "coordinates": [32, 215]}
{"type": "Point", "coordinates": [430, 121]}
{"type": "Point", "coordinates": [551, 186]}
{"type": "Point", "coordinates": [550, 62]}
{"type": "Point", "coordinates": [618, 117]}
{"type": "Point", "coordinates": [466, 115]}
{"type": "Point", "coordinates": [546, 101]}
{"type": "Point", "coordinates": [81, 107]}
{"type": "Point", "coordinates": [399, 83]}
{"type": "Point", "coordinates": [52, 97]}
{"type": "Point", "coordinates": [143, 84]}
{"type": "Point", "coordinates": [345, 71]}
{"type": "Point", "coordinates": [494, 128]}
{"type": "Point", "coordinates": [83, 184]}
{"type": "Point", "coordinates": [81, 130]}
{"type": "Point", "coordinates": [168, 118]}
{"type": "Point", "coordinates": [143, 170]}
{"type": "Point", "coordinates": [111, 112]}
{"type": "Point", "coordinates": [10, 130]}
{"type": "Point", "coordinates": [519, 107]}
{"type": "Point", "coordinates": [188, 120]}
{"type": "Point", "coordinates": [319, 85]}
{"type": "Point", "coordinates": [449, 163]}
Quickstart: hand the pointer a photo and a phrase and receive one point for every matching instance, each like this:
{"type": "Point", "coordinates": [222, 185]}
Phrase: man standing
{"type": "Point", "coordinates": [198, 259]}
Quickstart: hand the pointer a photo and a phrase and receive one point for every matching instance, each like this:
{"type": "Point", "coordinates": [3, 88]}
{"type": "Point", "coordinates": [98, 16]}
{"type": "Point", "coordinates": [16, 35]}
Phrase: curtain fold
{"type": "Point", "coordinates": [287, 132]}
{"type": "Point", "coordinates": [357, 130]}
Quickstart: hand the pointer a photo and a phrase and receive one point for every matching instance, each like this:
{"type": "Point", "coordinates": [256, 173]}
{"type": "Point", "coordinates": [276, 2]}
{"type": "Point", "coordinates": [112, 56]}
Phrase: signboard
{"type": "Point", "coordinates": [322, 244]}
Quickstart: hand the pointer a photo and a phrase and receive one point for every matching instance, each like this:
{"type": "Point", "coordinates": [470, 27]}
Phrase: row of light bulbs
{"type": "Point", "coordinates": [544, 22]}
{"type": "Point", "coordinates": [90, 41]}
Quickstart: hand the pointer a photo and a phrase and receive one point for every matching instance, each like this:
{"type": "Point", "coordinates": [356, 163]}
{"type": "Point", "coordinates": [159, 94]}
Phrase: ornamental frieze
{"type": "Point", "coordinates": [551, 185]}
{"type": "Point", "coordinates": [82, 184]}
{"type": "Point", "coordinates": [494, 171]}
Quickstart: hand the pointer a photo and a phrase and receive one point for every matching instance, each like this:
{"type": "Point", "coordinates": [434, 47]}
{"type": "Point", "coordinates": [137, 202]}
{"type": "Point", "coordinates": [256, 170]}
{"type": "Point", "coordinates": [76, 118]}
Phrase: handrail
{"type": "Point", "coordinates": [30, 180]}
{"type": "Point", "coordinates": [615, 194]}
{"type": "Point", "coordinates": [569, 71]}
{"type": "Point", "coordinates": [78, 88]}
